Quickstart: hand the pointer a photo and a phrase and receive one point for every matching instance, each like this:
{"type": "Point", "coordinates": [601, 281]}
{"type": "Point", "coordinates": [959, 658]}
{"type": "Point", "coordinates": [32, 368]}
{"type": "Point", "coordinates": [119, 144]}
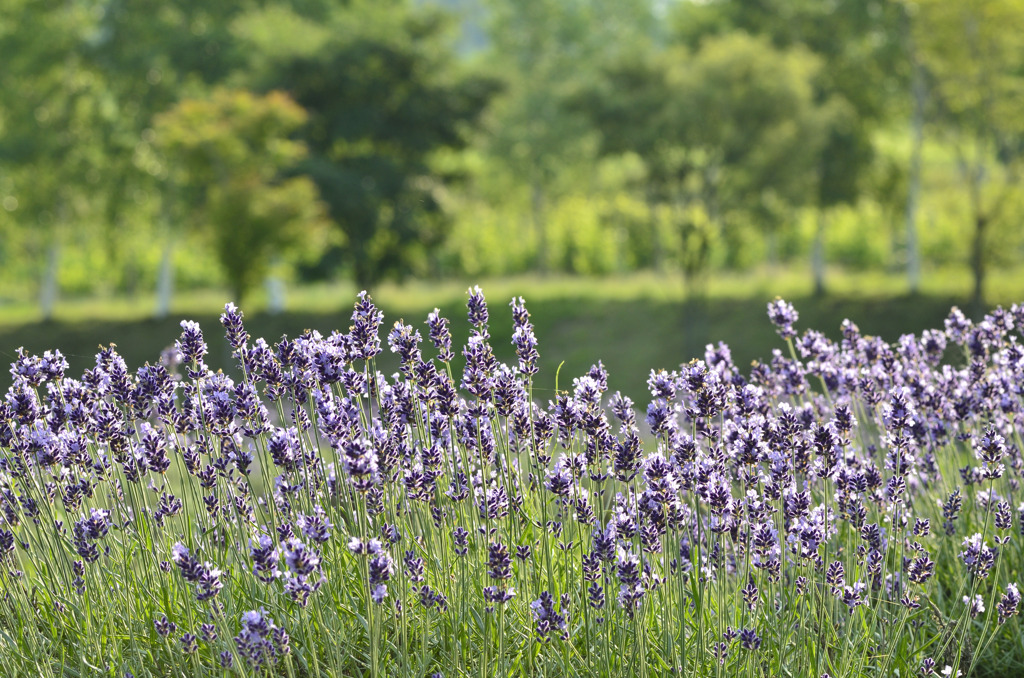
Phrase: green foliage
{"type": "Point", "coordinates": [973, 49]}
{"type": "Point", "coordinates": [230, 151]}
{"type": "Point", "coordinates": [974, 53]}
{"type": "Point", "coordinates": [859, 42]}
{"type": "Point", "coordinates": [383, 95]}
{"type": "Point", "coordinates": [728, 132]}
{"type": "Point", "coordinates": [579, 241]}
{"type": "Point", "coordinates": [749, 121]}
{"type": "Point", "coordinates": [860, 48]}
{"type": "Point", "coordinates": [54, 109]}
{"type": "Point", "coordinates": [578, 136]}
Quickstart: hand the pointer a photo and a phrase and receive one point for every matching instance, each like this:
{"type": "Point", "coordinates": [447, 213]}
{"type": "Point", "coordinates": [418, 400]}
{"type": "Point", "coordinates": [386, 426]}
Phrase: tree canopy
{"type": "Point", "coordinates": [454, 137]}
{"type": "Point", "coordinates": [382, 96]}
{"type": "Point", "coordinates": [232, 151]}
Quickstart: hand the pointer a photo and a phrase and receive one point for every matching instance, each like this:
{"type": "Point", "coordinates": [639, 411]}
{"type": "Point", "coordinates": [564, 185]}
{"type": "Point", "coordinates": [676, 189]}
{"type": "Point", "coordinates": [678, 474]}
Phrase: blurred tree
{"type": "Point", "coordinates": [547, 50]}
{"type": "Point", "coordinates": [383, 95]}
{"type": "Point", "coordinates": [231, 150]}
{"type": "Point", "coordinates": [919, 101]}
{"type": "Point", "coordinates": [889, 184]}
{"type": "Point", "coordinates": [860, 44]}
{"type": "Point", "coordinates": [52, 105]}
{"type": "Point", "coordinates": [973, 51]}
{"type": "Point", "coordinates": [154, 54]}
{"type": "Point", "coordinates": [727, 132]}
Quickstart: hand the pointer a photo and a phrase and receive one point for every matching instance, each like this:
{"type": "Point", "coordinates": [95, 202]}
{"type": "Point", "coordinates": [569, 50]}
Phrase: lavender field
{"type": "Point", "coordinates": [847, 508]}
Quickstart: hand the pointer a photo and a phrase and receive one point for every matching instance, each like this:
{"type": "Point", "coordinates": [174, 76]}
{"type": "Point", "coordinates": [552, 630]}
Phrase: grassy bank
{"type": "Point", "coordinates": [632, 323]}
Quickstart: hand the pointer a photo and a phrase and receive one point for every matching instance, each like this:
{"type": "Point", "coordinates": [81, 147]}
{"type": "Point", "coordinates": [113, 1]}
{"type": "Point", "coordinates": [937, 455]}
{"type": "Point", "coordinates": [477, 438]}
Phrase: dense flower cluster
{"type": "Point", "coordinates": [781, 519]}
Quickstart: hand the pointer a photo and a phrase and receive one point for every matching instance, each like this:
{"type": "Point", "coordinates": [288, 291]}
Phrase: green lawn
{"type": "Point", "coordinates": [632, 323]}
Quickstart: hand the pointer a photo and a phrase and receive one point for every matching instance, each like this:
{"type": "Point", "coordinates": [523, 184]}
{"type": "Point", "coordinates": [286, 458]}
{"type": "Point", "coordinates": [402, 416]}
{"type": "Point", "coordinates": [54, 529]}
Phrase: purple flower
{"type": "Point", "coordinates": [497, 595]}
{"type": "Point", "coordinates": [204, 575]}
{"type": "Point", "coordinates": [265, 557]}
{"type": "Point", "coordinates": [523, 338]}
{"type": "Point", "coordinates": [440, 335]}
{"type": "Point", "coordinates": [957, 325]}
{"type": "Point", "coordinates": [360, 461]}
{"type": "Point", "coordinates": [750, 594]}
{"type": "Point", "coordinates": [430, 598]}
{"type": "Point", "coordinates": [413, 567]}
{"type": "Point", "coordinates": [1007, 606]}
{"type": "Point", "coordinates": [547, 618]}
{"type": "Point", "coordinates": [34, 370]}
{"type": "Point", "coordinates": [164, 627]}
{"type": "Point", "coordinates": [662, 384]}
{"type": "Point", "coordinates": [96, 525]}
{"type": "Point", "coordinates": [499, 563]}
{"type": "Point", "coordinates": [749, 639]}
{"type": "Point", "coordinates": [286, 448]}
{"type": "Point", "coordinates": [976, 604]}
{"type": "Point", "coordinates": [364, 332]}
{"type": "Point", "coordinates": [257, 642]}
{"type": "Point", "coordinates": [604, 542]}
{"type": "Point", "coordinates": [189, 644]}
{"type": "Point", "coordinates": [783, 315]}
{"type": "Point", "coordinates": [630, 596]}
{"type": "Point", "coordinates": [363, 547]}
{"type": "Point", "coordinates": [192, 348]}
{"type": "Point", "coordinates": [950, 511]}
{"type": "Point", "coordinates": [835, 577]}
{"type": "Point", "coordinates": [627, 567]}
{"type": "Point", "coordinates": [1003, 516]}
{"type": "Point", "coordinates": [315, 527]}
{"type": "Point", "coordinates": [477, 309]}
{"type": "Point", "coordinates": [595, 595]}
{"type": "Point", "coordinates": [991, 447]}
{"type": "Point", "coordinates": [477, 378]}
{"type": "Point", "coordinates": [301, 560]}
{"type": "Point", "coordinates": [237, 337]}
{"type": "Point", "coordinates": [559, 480]}
{"type": "Point", "coordinates": [460, 540]}
{"type": "Point", "coordinates": [381, 567]}
{"type": "Point", "coordinates": [920, 569]}
{"type": "Point", "coordinates": [404, 341]}
{"type": "Point", "coordinates": [853, 596]}
{"type": "Point", "coordinates": [977, 556]}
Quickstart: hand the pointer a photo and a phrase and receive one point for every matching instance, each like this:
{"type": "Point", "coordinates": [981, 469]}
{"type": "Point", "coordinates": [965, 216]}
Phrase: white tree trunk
{"type": "Point", "coordinates": [275, 294]}
{"type": "Point", "coordinates": [539, 224]}
{"type": "Point", "coordinates": [165, 281]}
{"type": "Point", "coordinates": [914, 181]}
{"type": "Point", "coordinates": [49, 288]}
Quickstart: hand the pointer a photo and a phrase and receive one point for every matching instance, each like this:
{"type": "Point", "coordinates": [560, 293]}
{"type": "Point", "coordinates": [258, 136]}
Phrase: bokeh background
{"type": "Point", "coordinates": [647, 173]}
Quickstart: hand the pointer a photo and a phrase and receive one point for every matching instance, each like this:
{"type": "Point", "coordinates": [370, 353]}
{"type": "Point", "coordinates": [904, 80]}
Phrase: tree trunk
{"type": "Point", "coordinates": [165, 281]}
{"type": "Point", "coordinates": [237, 294]}
{"type": "Point", "coordinates": [914, 181]}
{"type": "Point", "coordinates": [539, 225]}
{"type": "Point", "coordinates": [978, 262]}
{"type": "Point", "coordinates": [771, 247]}
{"type": "Point", "coordinates": [275, 294]}
{"type": "Point", "coordinates": [656, 259]}
{"type": "Point", "coordinates": [362, 269]}
{"type": "Point", "coordinates": [48, 290]}
{"type": "Point", "coordinates": [818, 255]}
